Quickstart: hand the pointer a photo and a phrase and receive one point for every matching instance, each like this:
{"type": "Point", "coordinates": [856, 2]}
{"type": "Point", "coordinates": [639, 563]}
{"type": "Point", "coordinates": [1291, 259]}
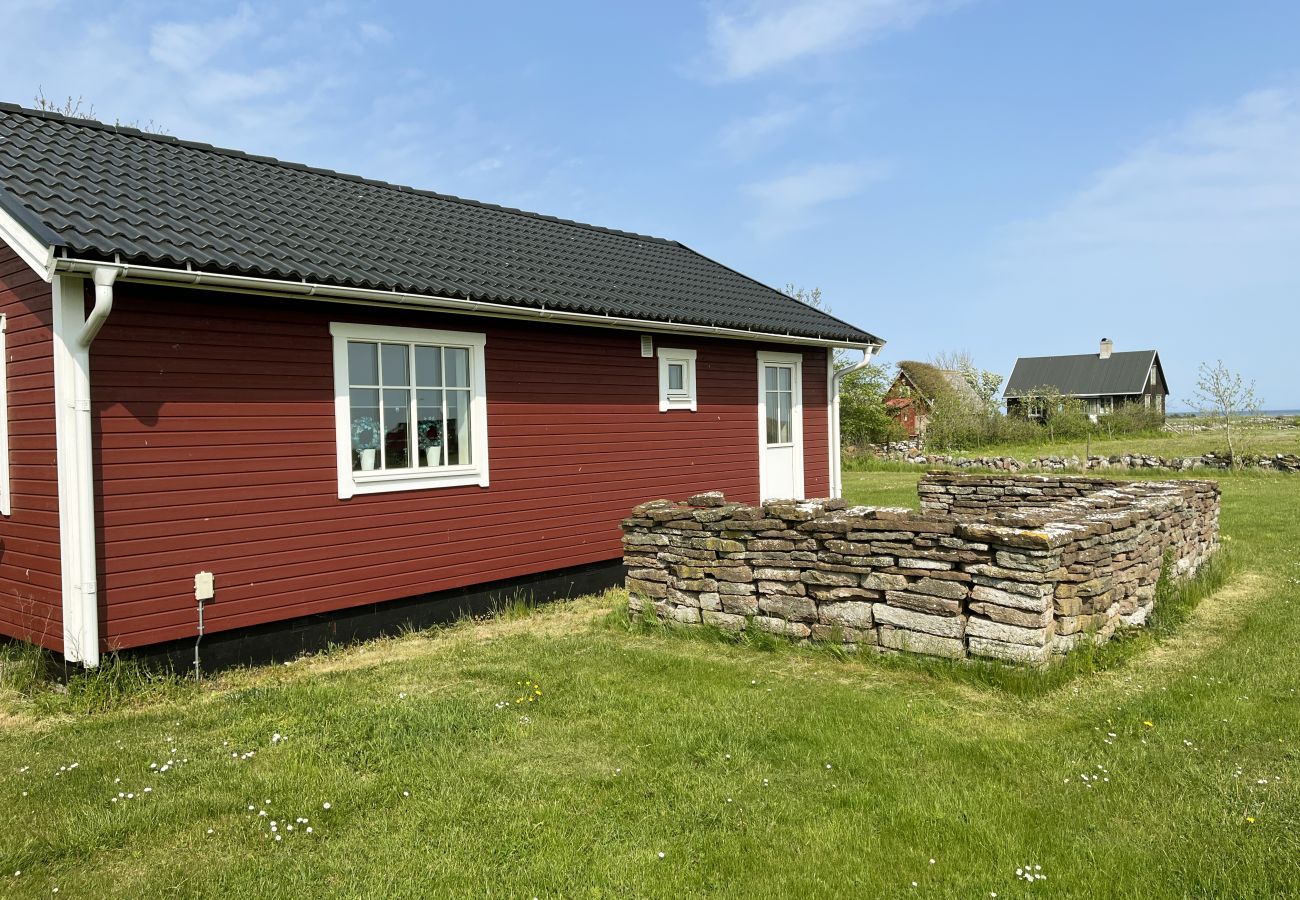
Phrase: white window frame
{"type": "Point", "coordinates": [686, 397]}
{"type": "Point", "coordinates": [766, 358]}
{"type": "Point", "coordinates": [411, 479]}
{"type": "Point", "coordinates": [6, 500]}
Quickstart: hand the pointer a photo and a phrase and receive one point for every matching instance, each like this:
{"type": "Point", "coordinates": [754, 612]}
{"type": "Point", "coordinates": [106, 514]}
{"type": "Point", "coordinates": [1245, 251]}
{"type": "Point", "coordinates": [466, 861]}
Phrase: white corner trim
{"type": "Point", "coordinates": [6, 500]}
{"type": "Point", "coordinates": [688, 397]}
{"type": "Point", "coordinates": [32, 251]}
{"type": "Point", "coordinates": [351, 483]}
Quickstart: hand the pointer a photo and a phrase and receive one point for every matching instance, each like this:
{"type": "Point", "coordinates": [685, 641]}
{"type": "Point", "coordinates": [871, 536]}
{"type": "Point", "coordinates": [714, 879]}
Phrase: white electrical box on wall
{"type": "Point", "coordinates": [204, 586]}
{"type": "Point", "coordinates": [647, 345]}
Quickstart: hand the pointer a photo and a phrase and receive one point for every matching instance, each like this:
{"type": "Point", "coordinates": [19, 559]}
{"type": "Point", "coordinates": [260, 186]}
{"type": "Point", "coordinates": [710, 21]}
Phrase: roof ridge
{"type": "Point", "coordinates": [129, 131]}
{"type": "Point", "coordinates": [1094, 355]}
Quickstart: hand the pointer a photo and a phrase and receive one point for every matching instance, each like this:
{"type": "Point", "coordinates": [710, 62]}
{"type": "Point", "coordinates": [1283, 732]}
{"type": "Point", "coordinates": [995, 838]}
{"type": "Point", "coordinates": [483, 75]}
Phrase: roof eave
{"type": "Point", "coordinates": [370, 297]}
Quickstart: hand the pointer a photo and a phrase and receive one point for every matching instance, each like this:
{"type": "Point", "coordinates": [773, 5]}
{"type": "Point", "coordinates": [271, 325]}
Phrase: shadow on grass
{"type": "Point", "coordinates": [1174, 605]}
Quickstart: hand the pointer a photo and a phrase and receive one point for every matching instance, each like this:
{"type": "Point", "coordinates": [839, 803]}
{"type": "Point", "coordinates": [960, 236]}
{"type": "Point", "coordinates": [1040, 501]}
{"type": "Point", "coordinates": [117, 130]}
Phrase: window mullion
{"type": "Point", "coordinates": [446, 432]}
{"type": "Point", "coordinates": [382, 437]}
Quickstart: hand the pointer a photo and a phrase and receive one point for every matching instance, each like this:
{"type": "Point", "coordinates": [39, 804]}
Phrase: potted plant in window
{"type": "Point", "coordinates": [431, 441]}
{"type": "Point", "coordinates": [365, 441]}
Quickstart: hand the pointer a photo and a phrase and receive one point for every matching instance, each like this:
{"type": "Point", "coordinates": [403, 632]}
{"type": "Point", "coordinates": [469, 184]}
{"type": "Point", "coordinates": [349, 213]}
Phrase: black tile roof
{"type": "Point", "coordinates": [97, 190]}
{"type": "Point", "coordinates": [1083, 375]}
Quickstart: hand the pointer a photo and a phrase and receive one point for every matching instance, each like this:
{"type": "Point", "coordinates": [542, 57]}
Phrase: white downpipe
{"type": "Point", "coordinates": [104, 278]}
{"type": "Point", "coordinates": [836, 378]}
{"type": "Point", "coordinates": [74, 332]}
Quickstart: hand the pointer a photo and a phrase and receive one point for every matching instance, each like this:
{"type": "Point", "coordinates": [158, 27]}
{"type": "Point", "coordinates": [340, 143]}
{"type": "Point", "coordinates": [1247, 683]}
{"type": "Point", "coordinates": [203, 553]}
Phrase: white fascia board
{"type": "Point", "coordinates": [33, 251]}
{"type": "Point", "coordinates": [247, 284]}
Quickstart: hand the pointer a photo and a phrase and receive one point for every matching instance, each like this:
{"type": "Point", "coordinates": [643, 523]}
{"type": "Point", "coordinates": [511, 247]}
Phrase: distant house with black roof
{"type": "Point", "coordinates": [1103, 380]}
{"type": "Point", "coordinates": [919, 387]}
{"type": "Point", "coordinates": [261, 395]}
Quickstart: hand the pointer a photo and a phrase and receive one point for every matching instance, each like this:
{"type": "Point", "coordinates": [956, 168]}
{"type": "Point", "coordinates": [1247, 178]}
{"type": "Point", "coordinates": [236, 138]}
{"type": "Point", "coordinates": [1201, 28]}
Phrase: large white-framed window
{"type": "Point", "coordinates": [6, 504]}
{"type": "Point", "coordinates": [410, 408]}
{"type": "Point", "coordinates": [676, 379]}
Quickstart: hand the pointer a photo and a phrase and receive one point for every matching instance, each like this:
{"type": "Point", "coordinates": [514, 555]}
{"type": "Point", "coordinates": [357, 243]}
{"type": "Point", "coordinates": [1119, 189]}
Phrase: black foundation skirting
{"type": "Point", "coordinates": [278, 641]}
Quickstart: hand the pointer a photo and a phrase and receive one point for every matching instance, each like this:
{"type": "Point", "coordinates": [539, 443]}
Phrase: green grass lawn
{"type": "Point", "coordinates": [772, 774]}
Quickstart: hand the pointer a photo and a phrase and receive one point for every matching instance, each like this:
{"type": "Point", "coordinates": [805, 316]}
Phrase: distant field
{"type": "Point", "coordinates": [1251, 439]}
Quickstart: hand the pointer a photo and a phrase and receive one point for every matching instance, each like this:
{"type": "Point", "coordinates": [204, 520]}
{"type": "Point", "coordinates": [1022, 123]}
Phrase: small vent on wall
{"type": "Point", "coordinates": [647, 345]}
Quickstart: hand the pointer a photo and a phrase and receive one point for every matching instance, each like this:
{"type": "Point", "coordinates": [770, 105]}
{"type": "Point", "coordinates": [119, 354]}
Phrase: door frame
{"type": "Point", "coordinates": [766, 358]}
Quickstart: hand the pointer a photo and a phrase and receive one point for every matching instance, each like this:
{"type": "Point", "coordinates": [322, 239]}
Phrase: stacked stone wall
{"type": "Point", "coordinates": [1012, 568]}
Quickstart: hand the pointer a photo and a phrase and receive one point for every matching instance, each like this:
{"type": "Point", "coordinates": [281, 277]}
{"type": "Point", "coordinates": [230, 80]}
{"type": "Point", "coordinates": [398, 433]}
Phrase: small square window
{"type": "Point", "coordinates": [676, 379]}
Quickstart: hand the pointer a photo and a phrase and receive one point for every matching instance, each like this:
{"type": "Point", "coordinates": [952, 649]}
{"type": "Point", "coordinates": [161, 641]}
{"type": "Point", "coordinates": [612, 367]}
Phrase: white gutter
{"type": "Point", "coordinates": [73, 334]}
{"type": "Point", "coordinates": [836, 378]}
{"type": "Point", "coordinates": [247, 284]}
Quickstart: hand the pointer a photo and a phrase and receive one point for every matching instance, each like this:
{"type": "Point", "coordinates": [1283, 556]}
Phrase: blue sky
{"type": "Point", "coordinates": [1008, 177]}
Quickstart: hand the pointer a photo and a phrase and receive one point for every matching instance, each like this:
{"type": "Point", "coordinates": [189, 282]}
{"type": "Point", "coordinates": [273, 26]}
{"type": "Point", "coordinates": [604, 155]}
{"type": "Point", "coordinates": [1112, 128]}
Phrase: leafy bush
{"type": "Point", "coordinates": [864, 418]}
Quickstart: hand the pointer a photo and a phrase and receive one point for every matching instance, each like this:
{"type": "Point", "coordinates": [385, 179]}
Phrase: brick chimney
{"type": "Point", "coordinates": [1106, 347]}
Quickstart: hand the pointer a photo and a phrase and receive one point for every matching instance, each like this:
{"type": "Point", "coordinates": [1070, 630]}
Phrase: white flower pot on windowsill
{"type": "Point", "coordinates": [368, 459]}
{"type": "Point", "coordinates": [433, 454]}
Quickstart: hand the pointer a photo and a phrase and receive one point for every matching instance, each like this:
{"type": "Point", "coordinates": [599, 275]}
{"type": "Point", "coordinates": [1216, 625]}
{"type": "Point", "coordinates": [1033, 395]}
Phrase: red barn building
{"type": "Point", "coordinates": [312, 406]}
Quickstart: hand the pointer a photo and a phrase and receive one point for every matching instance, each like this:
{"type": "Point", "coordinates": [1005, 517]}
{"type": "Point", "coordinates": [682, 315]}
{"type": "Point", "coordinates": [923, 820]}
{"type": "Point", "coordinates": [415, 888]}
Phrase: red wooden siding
{"type": "Point", "coordinates": [31, 605]}
{"type": "Point", "coordinates": [816, 426]}
{"type": "Point", "coordinates": [214, 423]}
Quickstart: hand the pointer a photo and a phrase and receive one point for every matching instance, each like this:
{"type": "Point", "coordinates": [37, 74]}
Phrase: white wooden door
{"type": "Point", "coordinates": [780, 425]}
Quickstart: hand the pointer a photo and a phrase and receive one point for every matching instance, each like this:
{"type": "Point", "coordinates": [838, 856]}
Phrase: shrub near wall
{"type": "Point", "coordinates": [1011, 568]}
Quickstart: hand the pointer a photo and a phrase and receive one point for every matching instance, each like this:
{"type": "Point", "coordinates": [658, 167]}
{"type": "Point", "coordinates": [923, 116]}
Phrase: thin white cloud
{"type": "Point", "coordinates": [375, 33]}
{"type": "Point", "coordinates": [792, 202]}
{"type": "Point", "coordinates": [745, 135]}
{"type": "Point", "coordinates": [188, 46]}
{"type": "Point", "coordinates": [1213, 204]}
{"type": "Point", "coordinates": [765, 34]}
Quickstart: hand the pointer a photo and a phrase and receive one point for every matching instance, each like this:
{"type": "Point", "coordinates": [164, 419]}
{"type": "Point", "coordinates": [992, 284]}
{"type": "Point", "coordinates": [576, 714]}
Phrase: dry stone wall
{"type": "Point", "coordinates": [1287, 463]}
{"type": "Point", "coordinates": [1014, 568]}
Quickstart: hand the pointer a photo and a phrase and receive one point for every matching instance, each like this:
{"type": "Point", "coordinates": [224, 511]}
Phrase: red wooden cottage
{"type": "Point", "coordinates": [309, 404]}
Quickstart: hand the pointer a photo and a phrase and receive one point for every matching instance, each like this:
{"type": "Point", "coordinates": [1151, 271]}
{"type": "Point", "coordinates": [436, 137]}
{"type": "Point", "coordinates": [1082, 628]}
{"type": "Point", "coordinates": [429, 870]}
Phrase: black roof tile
{"type": "Point", "coordinates": [99, 190]}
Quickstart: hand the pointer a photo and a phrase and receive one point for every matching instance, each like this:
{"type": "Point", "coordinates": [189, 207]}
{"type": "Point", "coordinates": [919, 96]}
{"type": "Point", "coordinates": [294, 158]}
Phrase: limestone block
{"type": "Point", "coordinates": [880, 581]}
{"type": "Point", "coordinates": [920, 642]}
{"type": "Point", "coordinates": [1018, 653]}
{"type": "Point", "coordinates": [941, 626]}
{"type": "Point", "coordinates": [848, 613]}
{"type": "Point", "coordinates": [739, 605]}
{"type": "Point", "coordinates": [781, 626]}
{"type": "Point", "coordinates": [786, 606]}
{"type": "Point", "coordinates": [825, 594]}
{"type": "Point", "coordinates": [686, 615]}
{"type": "Point", "coordinates": [725, 621]}
{"type": "Point", "coordinates": [1011, 616]}
{"type": "Point", "coordinates": [647, 588]}
{"type": "Point", "coordinates": [836, 579]}
{"type": "Point", "coordinates": [924, 603]}
{"type": "Point", "coordinates": [915, 562]}
{"type": "Point", "coordinates": [1007, 598]}
{"type": "Point", "coordinates": [1008, 634]}
{"type": "Point", "coordinates": [952, 590]}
